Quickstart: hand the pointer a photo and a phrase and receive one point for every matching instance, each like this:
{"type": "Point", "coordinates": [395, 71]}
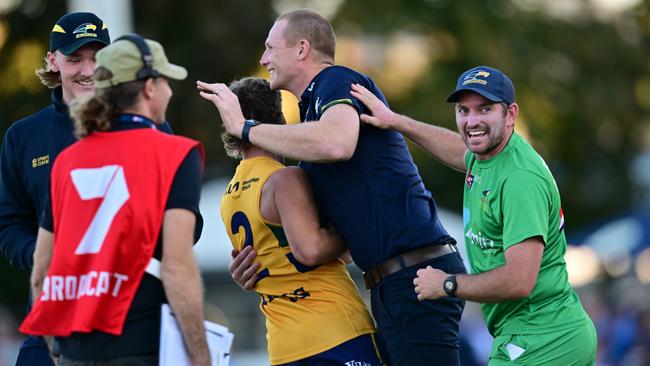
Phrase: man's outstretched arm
{"type": "Point", "coordinates": [332, 138]}
{"type": "Point", "coordinates": [445, 145]}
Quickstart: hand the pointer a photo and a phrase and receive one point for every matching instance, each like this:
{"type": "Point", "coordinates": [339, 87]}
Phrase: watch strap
{"type": "Point", "coordinates": [248, 124]}
{"type": "Point", "coordinates": [450, 286]}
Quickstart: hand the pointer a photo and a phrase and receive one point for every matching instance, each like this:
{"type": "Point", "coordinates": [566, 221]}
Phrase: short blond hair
{"type": "Point", "coordinates": [312, 26]}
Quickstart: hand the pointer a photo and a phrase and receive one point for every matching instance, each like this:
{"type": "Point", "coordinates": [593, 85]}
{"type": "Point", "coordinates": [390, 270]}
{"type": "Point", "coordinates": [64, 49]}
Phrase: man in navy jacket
{"type": "Point", "coordinates": [31, 145]}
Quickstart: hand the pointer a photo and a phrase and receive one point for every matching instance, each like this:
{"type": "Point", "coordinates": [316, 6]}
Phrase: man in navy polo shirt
{"type": "Point", "coordinates": [365, 183]}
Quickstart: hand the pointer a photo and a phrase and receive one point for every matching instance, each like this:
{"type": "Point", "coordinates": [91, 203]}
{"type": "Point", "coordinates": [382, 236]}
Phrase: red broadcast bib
{"type": "Point", "coordinates": [108, 194]}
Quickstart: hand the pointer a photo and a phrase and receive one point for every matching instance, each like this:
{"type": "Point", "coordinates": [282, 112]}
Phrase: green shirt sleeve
{"type": "Point", "coordinates": [525, 203]}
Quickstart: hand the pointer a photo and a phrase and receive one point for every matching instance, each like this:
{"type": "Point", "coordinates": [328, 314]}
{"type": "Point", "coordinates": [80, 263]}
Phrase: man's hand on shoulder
{"type": "Point", "coordinates": [381, 116]}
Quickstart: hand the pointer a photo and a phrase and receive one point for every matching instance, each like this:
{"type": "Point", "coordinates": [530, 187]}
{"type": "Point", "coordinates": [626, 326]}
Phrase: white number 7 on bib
{"type": "Point", "coordinates": [107, 182]}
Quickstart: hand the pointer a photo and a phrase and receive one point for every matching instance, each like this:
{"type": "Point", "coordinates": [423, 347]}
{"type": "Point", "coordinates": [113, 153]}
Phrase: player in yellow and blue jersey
{"type": "Point", "coordinates": [314, 314]}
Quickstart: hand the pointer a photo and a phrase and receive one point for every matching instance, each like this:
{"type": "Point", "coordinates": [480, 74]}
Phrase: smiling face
{"type": "Point", "coordinates": [485, 126]}
{"type": "Point", "coordinates": [76, 70]}
{"type": "Point", "coordinates": [279, 58]}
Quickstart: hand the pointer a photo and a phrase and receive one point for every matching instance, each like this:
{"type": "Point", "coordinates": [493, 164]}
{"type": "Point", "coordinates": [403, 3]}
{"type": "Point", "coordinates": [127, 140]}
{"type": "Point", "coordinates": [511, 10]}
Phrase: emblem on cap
{"type": "Point", "coordinates": [471, 78]}
{"type": "Point", "coordinates": [84, 30]}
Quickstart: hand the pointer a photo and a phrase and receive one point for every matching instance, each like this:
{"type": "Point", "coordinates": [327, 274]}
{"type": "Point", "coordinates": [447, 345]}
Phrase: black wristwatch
{"type": "Point", "coordinates": [248, 124]}
{"type": "Point", "coordinates": [450, 286]}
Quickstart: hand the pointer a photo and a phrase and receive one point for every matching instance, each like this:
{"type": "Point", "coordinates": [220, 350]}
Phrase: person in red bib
{"type": "Point", "coordinates": [121, 197]}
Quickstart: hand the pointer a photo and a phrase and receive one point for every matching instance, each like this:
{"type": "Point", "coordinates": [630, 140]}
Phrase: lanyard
{"type": "Point", "coordinates": [134, 118]}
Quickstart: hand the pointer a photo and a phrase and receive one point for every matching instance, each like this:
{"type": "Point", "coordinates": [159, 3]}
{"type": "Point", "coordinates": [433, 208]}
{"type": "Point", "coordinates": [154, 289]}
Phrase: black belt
{"type": "Point", "coordinates": [404, 260]}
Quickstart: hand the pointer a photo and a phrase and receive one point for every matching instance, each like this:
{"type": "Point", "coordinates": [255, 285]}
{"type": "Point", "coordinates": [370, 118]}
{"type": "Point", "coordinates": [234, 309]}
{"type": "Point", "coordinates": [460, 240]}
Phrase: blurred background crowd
{"type": "Point", "coordinates": [582, 71]}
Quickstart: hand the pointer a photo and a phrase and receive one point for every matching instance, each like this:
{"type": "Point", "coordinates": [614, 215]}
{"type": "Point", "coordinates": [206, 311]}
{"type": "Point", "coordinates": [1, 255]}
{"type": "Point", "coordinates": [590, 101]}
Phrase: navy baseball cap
{"type": "Point", "coordinates": [74, 30]}
{"type": "Point", "coordinates": [486, 81]}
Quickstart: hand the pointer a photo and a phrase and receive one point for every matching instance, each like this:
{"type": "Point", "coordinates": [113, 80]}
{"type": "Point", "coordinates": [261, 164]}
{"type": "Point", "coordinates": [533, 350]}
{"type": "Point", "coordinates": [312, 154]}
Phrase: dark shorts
{"type": "Point", "coordinates": [418, 332]}
{"type": "Point", "coordinates": [122, 361]}
{"type": "Point", "coordinates": [34, 351]}
{"type": "Point", "coordinates": [359, 351]}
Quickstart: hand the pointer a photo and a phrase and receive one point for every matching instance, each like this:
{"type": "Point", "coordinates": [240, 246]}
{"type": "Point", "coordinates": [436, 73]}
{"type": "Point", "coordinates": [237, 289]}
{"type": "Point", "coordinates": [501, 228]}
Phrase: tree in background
{"type": "Point", "coordinates": [582, 76]}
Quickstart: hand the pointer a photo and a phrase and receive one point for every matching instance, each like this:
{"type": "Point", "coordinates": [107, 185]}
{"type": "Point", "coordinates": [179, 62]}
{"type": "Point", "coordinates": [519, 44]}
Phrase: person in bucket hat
{"type": "Point", "coordinates": [116, 262]}
{"type": "Point", "coordinates": [513, 223]}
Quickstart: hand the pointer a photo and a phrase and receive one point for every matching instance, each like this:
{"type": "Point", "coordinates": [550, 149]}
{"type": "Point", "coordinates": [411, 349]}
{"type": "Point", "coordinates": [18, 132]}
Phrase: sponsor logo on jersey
{"type": "Point", "coordinates": [484, 200]}
{"type": "Point", "coordinates": [293, 296]}
{"type": "Point", "coordinates": [40, 161]}
{"type": "Point", "coordinates": [472, 77]}
{"type": "Point", "coordinates": [232, 188]}
{"type": "Point", "coordinates": [248, 183]}
{"type": "Point", "coordinates": [357, 363]}
{"type": "Point", "coordinates": [245, 185]}
{"type": "Point", "coordinates": [479, 240]}
{"type": "Point", "coordinates": [469, 180]}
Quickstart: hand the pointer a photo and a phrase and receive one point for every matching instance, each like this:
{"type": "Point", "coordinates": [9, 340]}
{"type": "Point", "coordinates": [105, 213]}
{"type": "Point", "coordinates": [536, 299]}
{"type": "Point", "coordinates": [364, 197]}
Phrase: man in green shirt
{"type": "Point", "coordinates": [513, 223]}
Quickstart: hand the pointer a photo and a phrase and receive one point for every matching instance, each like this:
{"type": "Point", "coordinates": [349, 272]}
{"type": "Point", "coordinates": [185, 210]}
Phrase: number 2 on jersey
{"type": "Point", "coordinates": [239, 219]}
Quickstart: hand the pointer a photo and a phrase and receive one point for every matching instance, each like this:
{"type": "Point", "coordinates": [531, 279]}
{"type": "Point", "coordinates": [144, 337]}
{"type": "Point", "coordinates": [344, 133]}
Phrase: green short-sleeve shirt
{"type": "Point", "coordinates": [507, 199]}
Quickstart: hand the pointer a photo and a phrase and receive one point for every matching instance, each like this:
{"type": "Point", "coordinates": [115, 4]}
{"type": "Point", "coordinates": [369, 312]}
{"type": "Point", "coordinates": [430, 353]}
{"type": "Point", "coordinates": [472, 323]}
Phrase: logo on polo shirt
{"type": "Point", "coordinates": [484, 200]}
{"type": "Point", "coordinates": [472, 77]}
{"type": "Point", "coordinates": [478, 239]}
{"type": "Point", "coordinates": [84, 30]}
{"type": "Point", "coordinates": [469, 180]}
{"type": "Point", "coordinates": [40, 161]}
{"type": "Point", "coordinates": [357, 363]}
{"type": "Point", "coordinates": [317, 105]}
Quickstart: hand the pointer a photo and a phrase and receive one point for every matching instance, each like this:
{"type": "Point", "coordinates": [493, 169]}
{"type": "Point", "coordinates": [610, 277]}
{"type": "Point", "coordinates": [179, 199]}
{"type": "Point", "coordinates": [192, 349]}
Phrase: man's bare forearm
{"type": "Point", "coordinates": [445, 145]}
{"type": "Point", "coordinates": [493, 286]}
{"type": "Point", "coordinates": [42, 259]}
{"type": "Point", "coordinates": [182, 281]}
{"type": "Point", "coordinates": [297, 142]}
{"type": "Point", "coordinates": [185, 294]}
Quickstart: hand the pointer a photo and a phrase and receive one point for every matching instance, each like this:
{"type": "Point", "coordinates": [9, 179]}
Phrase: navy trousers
{"type": "Point", "coordinates": [418, 332]}
{"type": "Point", "coordinates": [34, 352]}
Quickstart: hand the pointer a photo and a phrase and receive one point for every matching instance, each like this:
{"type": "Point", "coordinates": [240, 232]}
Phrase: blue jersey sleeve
{"type": "Point", "coordinates": [18, 221]}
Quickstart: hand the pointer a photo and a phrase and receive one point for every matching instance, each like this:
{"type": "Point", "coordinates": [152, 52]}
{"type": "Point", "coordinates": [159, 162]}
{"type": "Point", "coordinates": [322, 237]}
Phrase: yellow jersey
{"type": "Point", "coordinates": [308, 309]}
